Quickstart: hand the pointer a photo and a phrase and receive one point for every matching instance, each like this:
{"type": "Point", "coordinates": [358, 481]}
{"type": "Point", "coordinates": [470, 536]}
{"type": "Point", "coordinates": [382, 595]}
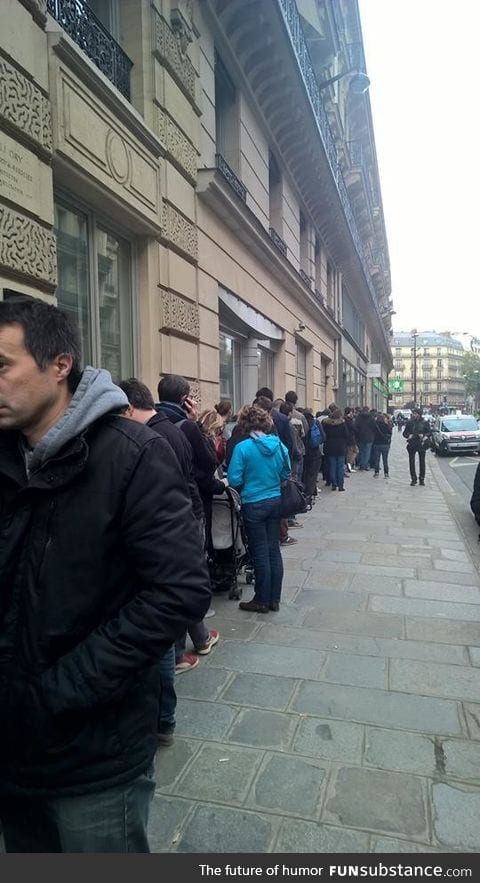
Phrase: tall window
{"type": "Point", "coordinates": [94, 288]}
{"type": "Point", "coordinates": [301, 374]}
{"type": "Point", "coordinates": [226, 116]}
{"type": "Point", "coordinates": [265, 368]}
{"type": "Point", "coordinates": [304, 261]}
{"type": "Point", "coordinates": [275, 194]}
{"type": "Point", "coordinates": [230, 368]}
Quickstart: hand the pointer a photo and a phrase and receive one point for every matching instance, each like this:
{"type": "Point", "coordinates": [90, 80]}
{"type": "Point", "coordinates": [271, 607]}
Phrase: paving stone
{"type": "Point", "coordinates": [444, 576]}
{"type": "Point", "coordinates": [365, 569]}
{"type": "Point", "coordinates": [201, 683]}
{"type": "Point", "coordinates": [472, 717]}
{"type": "Point", "coordinates": [388, 844]}
{"type": "Point", "coordinates": [419, 607]}
{"type": "Point", "coordinates": [204, 720]}
{"type": "Point", "coordinates": [404, 649]}
{"type": "Point", "coordinates": [434, 679]}
{"type": "Point", "coordinates": [332, 599]}
{"type": "Point", "coordinates": [360, 671]}
{"type": "Point", "coordinates": [424, 629]}
{"type": "Point", "coordinates": [376, 625]}
{"type": "Point", "coordinates": [474, 655]}
{"type": "Point", "coordinates": [458, 545]}
{"type": "Point", "coordinates": [455, 555]}
{"type": "Point", "coordinates": [442, 591]}
{"type": "Point", "coordinates": [233, 629]}
{"type": "Point", "coordinates": [329, 740]}
{"type": "Point", "coordinates": [313, 837]}
{"type": "Point", "coordinates": [220, 772]}
{"type": "Point", "coordinates": [170, 762]}
{"type": "Point", "coordinates": [462, 759]}
{"type": "Point", "coordinates": [268, 729]}
{"type": "Point", "coordinates": [454, 566]}
{"type": "Point", "coordinates": [382, 585]}
{"type": "Point", "coordinates": [378, 800]}
{"type": "Point", "coordinates": [406, 752]}
{"type": "Point", "coordinates": [456, 819]}
{"type": "Point", "coordinates": [398, 562]}
{"type": "Point", "coordinates": [330, 579]}
{"type": "Point", "coordinates": [216, 829]}
{"type": "Point", "coordinates": [166, 818]}
{"type": "Point", "coordinates": [400, 711]}
{"type": "Point", "coordinates": [269, 659]}
{"type": "Point", "coordinates": [291, 579]}
{"type": "Point", "coordinates": [336, 555]}
{"type": "Point", "coordinates": [290, 785]}
{"type": "Point", "coordinates": [260, 690]}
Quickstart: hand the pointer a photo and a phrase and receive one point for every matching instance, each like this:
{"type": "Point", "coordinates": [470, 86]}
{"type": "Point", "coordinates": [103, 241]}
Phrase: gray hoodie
{"type": "Point", "coordinates": [95, 396]}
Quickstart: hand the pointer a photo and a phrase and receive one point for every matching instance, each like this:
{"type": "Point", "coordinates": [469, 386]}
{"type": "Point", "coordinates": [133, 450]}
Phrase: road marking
{"type": "Point", "coordinates": [455, 465]}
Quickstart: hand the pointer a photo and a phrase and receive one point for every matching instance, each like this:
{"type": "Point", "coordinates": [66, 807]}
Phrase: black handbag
{"type": "Point", "coordinates": [293, 501]}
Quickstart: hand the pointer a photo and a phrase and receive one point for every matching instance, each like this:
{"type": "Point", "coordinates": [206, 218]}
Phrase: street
{"type": "Point", "coordinates": [349, 721]}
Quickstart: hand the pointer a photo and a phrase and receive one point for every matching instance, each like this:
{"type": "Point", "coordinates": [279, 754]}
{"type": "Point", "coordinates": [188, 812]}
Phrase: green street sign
{"type": "Point", "coordinates": [396, 384]}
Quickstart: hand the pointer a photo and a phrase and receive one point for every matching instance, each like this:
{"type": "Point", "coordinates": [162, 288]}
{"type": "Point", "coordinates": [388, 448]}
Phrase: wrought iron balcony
{"type": "Point", "coordinates": [297, 38]}
{"type": "Point", "coordinates": [306, 278]}
{"type": "Point", "coordinates": [278, 241]}
{"type": "Point", "coordinates": [85, 29]}
{"type": "Point", "coordinates": [235, 183]}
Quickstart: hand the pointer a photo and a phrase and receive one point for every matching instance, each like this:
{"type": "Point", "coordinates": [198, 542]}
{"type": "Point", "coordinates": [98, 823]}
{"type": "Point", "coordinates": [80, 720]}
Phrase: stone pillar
{"type": "Point", "coordinates": [250, 369]}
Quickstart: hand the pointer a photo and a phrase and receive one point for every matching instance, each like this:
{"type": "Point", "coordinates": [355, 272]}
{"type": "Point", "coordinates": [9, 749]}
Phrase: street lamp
{"type": "Point", "coordinates": [358, 84]}
{"type": "Point", "coordinates": [414, 390]}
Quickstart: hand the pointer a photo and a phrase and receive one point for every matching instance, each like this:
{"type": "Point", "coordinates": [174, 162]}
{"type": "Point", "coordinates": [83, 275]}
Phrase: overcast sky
{"type": "Point", "coordinates": [423, 62]}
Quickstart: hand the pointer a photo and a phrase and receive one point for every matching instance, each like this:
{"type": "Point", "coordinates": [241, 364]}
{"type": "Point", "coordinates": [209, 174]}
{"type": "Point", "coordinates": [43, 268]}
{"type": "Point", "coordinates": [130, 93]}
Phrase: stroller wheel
{"type": "Point", "coordinates": [248, 577]}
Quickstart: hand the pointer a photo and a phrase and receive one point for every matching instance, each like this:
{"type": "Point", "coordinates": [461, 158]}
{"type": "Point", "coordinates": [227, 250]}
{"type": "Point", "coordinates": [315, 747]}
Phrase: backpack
{"type": "Point", "coordinates": [315, 435]}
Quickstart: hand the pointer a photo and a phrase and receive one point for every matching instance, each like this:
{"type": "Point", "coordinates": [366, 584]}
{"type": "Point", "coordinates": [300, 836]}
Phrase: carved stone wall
{"type": "Point", "coordinates": [177, 146]}
{"type": "Point", "coordinates": [179, 315]}
{"type": "Point", "coordinates": [27, 248]}
{"type": "Point", "coordinates": [195, 391]}
{"type": "Point", "coordinates": [168, 50]}
{"type": "Point", "coordinates": [24, 106]}
{"type": "Point", "coordinates": [179, 231]}
{"type": "Point", "coordinates": [38, 8]}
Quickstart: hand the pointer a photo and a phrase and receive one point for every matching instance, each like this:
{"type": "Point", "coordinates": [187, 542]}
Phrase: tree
{"type": "Point", "coordinates": [471, 372]}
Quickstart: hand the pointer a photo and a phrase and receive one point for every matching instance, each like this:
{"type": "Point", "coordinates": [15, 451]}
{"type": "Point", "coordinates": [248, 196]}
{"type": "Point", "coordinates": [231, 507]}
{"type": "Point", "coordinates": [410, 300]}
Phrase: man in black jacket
{"type": "Point", "coordinates": [101, 565]}
{"type": "Point", "coordinates": [417, 432]}
{"type": "Point", "coordinates": [475, 500]}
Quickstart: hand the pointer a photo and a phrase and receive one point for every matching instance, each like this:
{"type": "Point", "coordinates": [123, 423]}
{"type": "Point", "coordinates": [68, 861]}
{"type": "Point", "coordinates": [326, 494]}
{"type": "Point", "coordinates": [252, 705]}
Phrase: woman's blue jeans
{"type": "Point", "coordinates": [381, 451]}
{"type": "Point", "coordinates": [364, 454]}
{"type": "Point", "coordinates": [336, 470]}
{"type": "Point", "coordinates": [262, 525]}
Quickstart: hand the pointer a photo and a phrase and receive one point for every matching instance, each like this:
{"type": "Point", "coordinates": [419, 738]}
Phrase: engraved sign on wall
{"type": "Point", "coordinates": [17, 173]}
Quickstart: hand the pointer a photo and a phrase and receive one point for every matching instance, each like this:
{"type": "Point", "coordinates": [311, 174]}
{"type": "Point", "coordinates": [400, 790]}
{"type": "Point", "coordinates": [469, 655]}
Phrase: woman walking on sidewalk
{"type": "Point", "coordinates": [258, 466]}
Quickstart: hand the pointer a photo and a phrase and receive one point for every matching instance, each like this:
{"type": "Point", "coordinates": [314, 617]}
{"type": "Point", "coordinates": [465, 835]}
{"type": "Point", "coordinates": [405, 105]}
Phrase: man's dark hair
{"type": "Point", "coordinates": [48, 332]}
{"type": "Point", "coordinates": [291, 396]}
{"type": "Point", "coordinates": [172, 388]}
{"type": "Point", "coordinates": [286, 408]}
{"type": "Point", "coordinates": [264, 393]}
{"type": "Point", "coordinates": [138, 395]}
{"type": "Point", "coordinates": [347, 411]}
{"type": "Point", "coordinates": [263, 402]}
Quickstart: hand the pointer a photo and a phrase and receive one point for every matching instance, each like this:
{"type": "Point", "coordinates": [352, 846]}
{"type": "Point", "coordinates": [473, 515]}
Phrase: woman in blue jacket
{"type": "Point", "coordinates": [258, 466]}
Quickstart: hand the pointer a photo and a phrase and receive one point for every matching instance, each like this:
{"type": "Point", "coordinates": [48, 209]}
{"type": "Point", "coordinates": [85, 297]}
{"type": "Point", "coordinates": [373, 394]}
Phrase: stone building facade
{"type": "Point", "coordinates": [439, 372]}
{"type": "Point", "coordinates": [173, 173]}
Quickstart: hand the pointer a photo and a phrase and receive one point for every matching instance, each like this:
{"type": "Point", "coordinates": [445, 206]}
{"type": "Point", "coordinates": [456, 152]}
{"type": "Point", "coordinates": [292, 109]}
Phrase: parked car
{"type": "Point", "coordinates": [456, 434]}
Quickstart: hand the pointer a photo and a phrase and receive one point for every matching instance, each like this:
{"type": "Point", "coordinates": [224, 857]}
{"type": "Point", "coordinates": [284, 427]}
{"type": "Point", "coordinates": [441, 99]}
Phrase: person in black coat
{"type": "Point", "coordinates": [364, 428]}
{"type": "Point", "coordinates": [381, 443]}
{"type": "Point", "coordinates": [418, 433]}
{"type": "Point", "coordinates": [475, 500]}
{"type": "Point", "coordinates": [337, 435]}
{"type": "Point", "coordinates": [101, 566]}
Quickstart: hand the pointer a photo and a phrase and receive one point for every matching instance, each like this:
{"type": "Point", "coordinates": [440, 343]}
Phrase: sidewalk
{"type": "Point", "coordinates": [350, 720]}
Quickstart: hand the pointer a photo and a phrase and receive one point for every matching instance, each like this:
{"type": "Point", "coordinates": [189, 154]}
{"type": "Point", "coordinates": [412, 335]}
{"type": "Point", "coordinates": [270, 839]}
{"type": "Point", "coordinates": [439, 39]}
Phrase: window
{"type": "Point", "coordinates": [301, 374]}
{"type": "Point", "coordinates": [275, 195]}
{"type": "Point", "coordinates": [230, 368]}
{"type": "Point", "coordinates": [95, 288]}
{"type": "Point", "coordinates": [108, 13]}
{"type": "Point", "coordinates": [226, 116]}
{"type": "Point", "coordinates": [352, 321]}
{"type": "Point", "coordinates": [265, 368]}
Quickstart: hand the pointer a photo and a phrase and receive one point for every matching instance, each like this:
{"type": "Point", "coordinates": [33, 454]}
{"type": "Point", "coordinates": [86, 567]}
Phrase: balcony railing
{"type": "Point", "coordinates": [297, 37]}
{"type": "Point", "coordinates": [235, 183]}
{"type": "Point", "coordinates": [306, 278]}
{"type": "Point", "coordinates": [83, 26]}
{"type": "Point", "coordinates": [278, 241]}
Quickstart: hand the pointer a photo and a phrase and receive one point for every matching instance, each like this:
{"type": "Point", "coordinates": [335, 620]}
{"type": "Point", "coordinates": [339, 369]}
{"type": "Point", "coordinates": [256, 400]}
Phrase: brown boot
{"type": "Point", "coordinates": [253, 606]}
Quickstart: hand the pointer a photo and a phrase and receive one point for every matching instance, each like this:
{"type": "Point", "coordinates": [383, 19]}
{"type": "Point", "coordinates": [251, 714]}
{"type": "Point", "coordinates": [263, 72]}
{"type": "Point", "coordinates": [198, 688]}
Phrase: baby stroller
{"type": "Point", "coordinates": [229, 554]}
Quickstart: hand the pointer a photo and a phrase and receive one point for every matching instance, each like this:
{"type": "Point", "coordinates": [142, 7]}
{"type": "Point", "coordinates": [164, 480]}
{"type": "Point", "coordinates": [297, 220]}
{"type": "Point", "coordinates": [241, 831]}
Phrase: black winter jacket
{"type": "Point", "coordinates": [101, 567]}
{"type": "Point", "coordinates": [383, 433]}
{"type": "Point", "coordinates": [337, 436]}
{"type": "Point", "coordinates": [364, 428]}
{"type": "Point", "coordinates": [178, 441]}
{"type": "Point", "coordinates": [475, 501]}
{"type": "Point", "coordinates": [419, 433]}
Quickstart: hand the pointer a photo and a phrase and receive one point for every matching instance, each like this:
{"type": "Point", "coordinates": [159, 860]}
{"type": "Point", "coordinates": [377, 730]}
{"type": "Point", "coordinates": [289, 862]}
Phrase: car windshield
{"type": "Point", "coordinates": [459, 424]}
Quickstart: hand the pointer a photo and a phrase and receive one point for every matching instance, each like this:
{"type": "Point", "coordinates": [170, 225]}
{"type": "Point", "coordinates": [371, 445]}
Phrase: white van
{"type": "Point", "coordinates": [456, 434]}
